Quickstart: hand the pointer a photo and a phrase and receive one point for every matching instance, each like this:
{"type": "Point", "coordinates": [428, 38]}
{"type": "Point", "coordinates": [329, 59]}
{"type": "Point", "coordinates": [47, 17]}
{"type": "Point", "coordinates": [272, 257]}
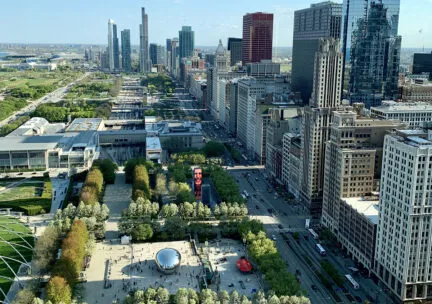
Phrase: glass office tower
{"type": "Point", "coordinates": [372, 49]}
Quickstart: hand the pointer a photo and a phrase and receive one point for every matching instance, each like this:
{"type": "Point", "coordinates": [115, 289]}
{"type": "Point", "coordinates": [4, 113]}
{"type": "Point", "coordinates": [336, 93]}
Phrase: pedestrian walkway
{"type": "Point", "coordinates": [117, 198]}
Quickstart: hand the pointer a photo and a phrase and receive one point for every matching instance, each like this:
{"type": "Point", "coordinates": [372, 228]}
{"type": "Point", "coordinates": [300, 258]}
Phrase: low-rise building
{"type": "Point", "coordinates": [358, 227]}
{"type": "Point", "coordinates": [154, 149]}
{"type": "Point", "coordinates": [414, 114]}
{"type": "Point", "coordinates": [415, 90]}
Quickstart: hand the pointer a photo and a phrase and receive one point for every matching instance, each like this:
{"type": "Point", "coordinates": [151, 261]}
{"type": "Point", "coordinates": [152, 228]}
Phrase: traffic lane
{"type": "Point", "coordinates": [306, 275]}
{"type": "Point", "coordinates": [367, 287]}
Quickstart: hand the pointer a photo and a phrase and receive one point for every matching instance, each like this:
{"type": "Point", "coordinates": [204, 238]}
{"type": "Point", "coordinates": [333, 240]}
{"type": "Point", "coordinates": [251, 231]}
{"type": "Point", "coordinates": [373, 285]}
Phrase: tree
{"type": "Point", "coordinates": [175, 227]}
{"type": "Point", "coordinates": [160, 188]}
{"type": "Point", "coordinates": [45, 249]}
{"type": "Point", "coordinates": [169, 210]}
{"type": "Point", "coordinates": [142, 232]}
{"type": "Point", "coordinates": [108, 169]}
{"type": "Point", "coordinates": [58, 291]}
{"type": "Point", "coordinates": [24, 296]}
{"type": "Point", "coordinates": [213, 149]}
{"type": "Point", "coordinates": [141, 180]}
{"type": "Point", "coordinates": [162, 296]}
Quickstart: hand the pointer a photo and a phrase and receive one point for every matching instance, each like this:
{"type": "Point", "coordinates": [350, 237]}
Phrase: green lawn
{"type": "Point", "coordinates": [23, 191]}
{"type": "Point", "coordinates": [286, 68]}
{"type": "Point", "coordinates": [20, 232]}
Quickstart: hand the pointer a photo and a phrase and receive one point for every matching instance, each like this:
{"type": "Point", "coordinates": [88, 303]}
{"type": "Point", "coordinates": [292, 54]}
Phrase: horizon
{"type": "Point", "coordinates": [52, 22]}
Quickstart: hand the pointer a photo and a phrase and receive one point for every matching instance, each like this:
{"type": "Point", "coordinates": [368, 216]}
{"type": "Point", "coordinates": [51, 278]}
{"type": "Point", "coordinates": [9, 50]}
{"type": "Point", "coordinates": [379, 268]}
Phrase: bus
{"type": "Point", "coordinates": [307, 223]}
{"type": "Point", "coordinates": [245, 193]}
{"type": "Point", "coordinates": [314, 234]}
{"type": "Point", "coordinates": [320, 250]}
{"type": "Point", "coordinates": [352, 281]}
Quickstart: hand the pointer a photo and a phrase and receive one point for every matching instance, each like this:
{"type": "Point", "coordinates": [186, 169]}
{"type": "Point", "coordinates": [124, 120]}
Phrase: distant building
{"type": "Point", "coordinates": [416, 90]}
{"type": "Point", "coordinates": [168, 53]}
{"type": "Point", "coordinates": [263, 68]}
{"type": "Point", "coordinates": [422, 63]}
{"type": "Point", "coordinates": [257, 37]}
{"type": "Point", "coordinates": [186, 42]}
{"type": "Point", "coordinates": [116, 49]}
{"type": "Point", "coordinates": [111, 43]}
{"type": "Point", "coordinates": [156, 54]}
{"type": "Point", "coordinates": [321, 20]}
{"type": "Point", "coordinates": [235, 47]}
{"type": "Point", "coordinates": [145, 63]}
{"type": "Point", "coordinates": [126, 51]}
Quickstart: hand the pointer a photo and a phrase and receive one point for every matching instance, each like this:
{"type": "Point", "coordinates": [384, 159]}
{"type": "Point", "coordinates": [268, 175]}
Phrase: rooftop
{"type": "Point", "coordinates": [84, 124]}
{"type": "Point", "coordinates": [367, 206]}
{"type": "Point", "coordinates": [153, 143]}
{"type": "Point", "coordinates": [37, 126]}
{"type": "Point", "coordinates": [394, 107]}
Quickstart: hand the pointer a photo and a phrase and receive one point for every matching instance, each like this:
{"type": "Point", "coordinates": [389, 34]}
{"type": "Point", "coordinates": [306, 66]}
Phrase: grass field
{"type": "Point", "coordinates": [10, 80]}
{"type": "Point", "coordinates": [20, 232]}
{"type": "Point", "coordinates": [26, 190]}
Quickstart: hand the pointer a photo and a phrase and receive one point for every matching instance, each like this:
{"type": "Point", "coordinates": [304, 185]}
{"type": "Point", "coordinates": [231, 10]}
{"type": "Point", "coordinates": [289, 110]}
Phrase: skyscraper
{"type": "Point", "coordinates": [126, 51]}
{"type": "Point", "coordinates": [186, 42]}
{"type": "Point", "coordinates": [257, 37]}
{"type": "Point", "coordinates": [156, 53]}
{"type": "Point", "coordinates": [145, 63]}
{"type": "Point", "coordinates": [372, 47]}
{"type": "Point", "coordinates": [235, 48]}
{"type": "Point", "coordinates": [403, 243]}
{"type": "Point", "coordinates": [168, 54]}
{"type": "Point", "coordinates": [326, 98]}
{"type": "Point", "coordinates": [116, 48]}
{"type": "Point", "coordinates": [322, 20]}
{"type": "Point", "coordinates": [174, 56]}
{"type": "Point", "coordinates": [111, 44]}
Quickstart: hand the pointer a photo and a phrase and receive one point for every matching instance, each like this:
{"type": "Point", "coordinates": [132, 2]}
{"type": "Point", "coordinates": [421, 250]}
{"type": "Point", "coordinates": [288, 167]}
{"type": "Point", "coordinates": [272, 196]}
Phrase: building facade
{"type": "Point", "coordinates": [422, 63]}
{"type": "Point", "coordinates": [257, 40]}
{"type": "Point", "coordinates": [326, 97]}
{"type": "Point", "coordinates": [126, 51]}
{"type": "Point", "coordinates": [321, 20]}
{"type": "Point", "coordinates": [371, 41]}
{"type": "Point", "coordinates": [111, 44]}
{"type": "Point", "coordinates": [415, 115]}
{"type": "Point", "coordinates": [291, 163]}
{"type": "Point", "coordinates": [145, 63]}
{"type": "Point", "coordinates": [186, 42]}
{"type": "Point", "coordinates": [235, 48]}
{"type": "Point", "coordinates": [156, 54]}
{"type": "Point", "coordinates": [402, 256]}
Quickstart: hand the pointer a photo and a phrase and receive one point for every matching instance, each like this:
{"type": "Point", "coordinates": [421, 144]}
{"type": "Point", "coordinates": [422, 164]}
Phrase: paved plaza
{"type": "Point", "coordinates": [143, 273]}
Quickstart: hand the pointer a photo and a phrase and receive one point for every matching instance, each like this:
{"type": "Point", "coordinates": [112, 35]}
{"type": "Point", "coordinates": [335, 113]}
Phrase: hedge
{"type": "Point", "coordinates": [33, 205]}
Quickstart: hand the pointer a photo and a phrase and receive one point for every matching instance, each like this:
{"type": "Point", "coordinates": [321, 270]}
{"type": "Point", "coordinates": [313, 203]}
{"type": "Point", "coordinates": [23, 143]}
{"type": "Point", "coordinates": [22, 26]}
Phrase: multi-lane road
{"type": "Point", "coordinates": [52, 97]}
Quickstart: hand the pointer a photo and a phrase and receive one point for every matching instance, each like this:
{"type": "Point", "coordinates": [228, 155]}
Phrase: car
{"type": "Point", "coordinates": [257, 207]}
{"type": "Point", "coordinates": [280, 226]}
{"type": "Point", "coordinates": [358, 299]}
{"type": "Point", "coordinates": [314, 287]}
{"type": "Point", "coordinates": [270, 210]}
{"type": "Point", "coordinates": [20, 173]}
{"type": "Point", "coordinates": [274, 237]}
{"type": "Point", "coordinates": [306, 237]}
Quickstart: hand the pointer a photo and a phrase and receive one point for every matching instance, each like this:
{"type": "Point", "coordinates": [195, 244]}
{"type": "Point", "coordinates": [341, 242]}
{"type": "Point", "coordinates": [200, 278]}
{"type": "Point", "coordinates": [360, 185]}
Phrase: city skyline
{"type": "Point", "coordinates": [167, 16]}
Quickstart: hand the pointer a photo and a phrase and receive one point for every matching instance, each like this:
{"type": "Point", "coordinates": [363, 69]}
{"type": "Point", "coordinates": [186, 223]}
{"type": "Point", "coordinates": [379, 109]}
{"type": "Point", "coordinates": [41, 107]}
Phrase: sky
{"type": "Point", "coordinates": [85, 21]}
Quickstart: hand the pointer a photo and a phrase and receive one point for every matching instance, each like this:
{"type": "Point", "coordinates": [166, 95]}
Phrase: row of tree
{"type": "Point", "coordinates": [93, 216]}
{"type": "Point", "coordinates": [208, 296]}
{"type": "Point", "coordinates": [141, 183]}
{"type": "Point", "coordinates": [230, 210]}
{"type": "Point", "coordinates": [271, 264]}
{"type": "Point", "coordinates": [67, 269]}
{"type": "Point", "coordinates": [93, 186]}
{"type": "Point", "coordinates": [225, 185]}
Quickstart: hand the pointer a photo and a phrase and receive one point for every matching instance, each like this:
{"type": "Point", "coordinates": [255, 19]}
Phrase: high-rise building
{"type": "Point", "coordinates": [168, 54]}
{"type": "Point", "coordinates": [422, 63]}
{"type": "Point", "coordinates": [186, 42]}
{"type": "Point", "coordinates": [372, 47]}
{"type": "Point", "coordinates": [322, 20]}
{"type": "Point", "coordinates": [235, 48]}
{"type": "Point", "coordinates": [126, 51]}
{"type": "Point", "coordinates": [403, 245]}
{"type": "Point", "coordinates": [116, 48]}
{"type": "Point", "coordinates": [326, 97]}
{"type": "Point", "coordinates": [174, 56]}
{"type": "Point", "coordinates": [257, 37]}
{"type": "Point", "coordinates": [145, 63]}
{"type": "Point", "coordinates": [156, 53]}
{"type": "Point", "coordinates": [111, 60]}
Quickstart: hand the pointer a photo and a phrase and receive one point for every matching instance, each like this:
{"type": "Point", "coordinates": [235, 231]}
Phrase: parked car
{"type": "Point", "coordinates": [314, 287]}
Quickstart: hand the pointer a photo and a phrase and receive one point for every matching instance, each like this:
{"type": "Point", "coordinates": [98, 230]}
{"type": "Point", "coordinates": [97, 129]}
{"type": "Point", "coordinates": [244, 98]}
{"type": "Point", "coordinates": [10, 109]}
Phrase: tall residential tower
{"type": "Point", "coordinates": [145, 63]}
{"type": "Point", "coordinates": [126, 51]}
